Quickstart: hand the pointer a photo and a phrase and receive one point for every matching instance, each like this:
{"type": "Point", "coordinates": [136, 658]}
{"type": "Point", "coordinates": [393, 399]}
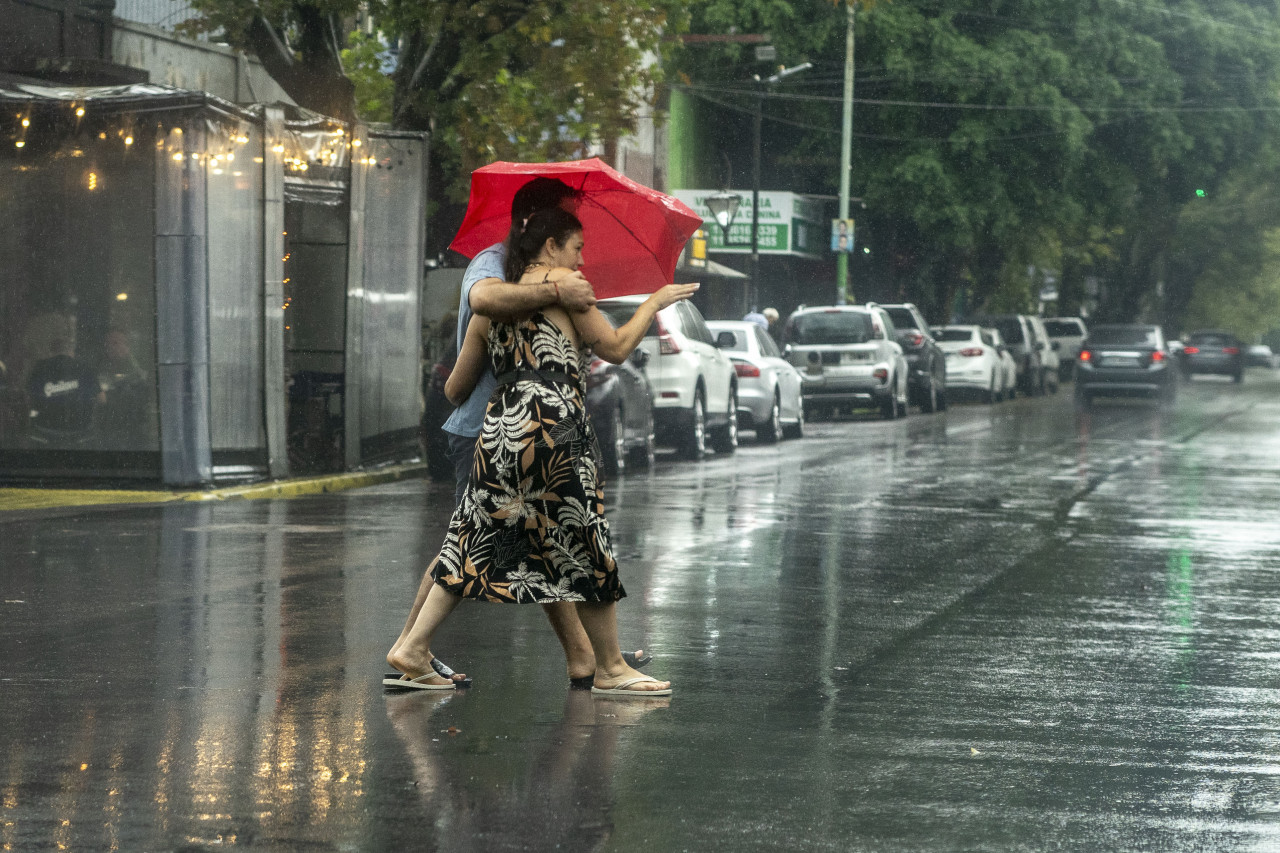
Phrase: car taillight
{"type": "Point", "coordinates": [745, 370]}
{"type": "Point", "coordinates": [1157, 356]}
{"type": "Point", "coordinates": [880, 373]}
{"type": "Point", "coordinates": [598, 365]}
{"type": "Point", "coordinates": [971, 351]}
{"type": "Point", "coordinates": [1231, 350]}
{"type": "Point", "coordinates": [1085, 355]}
{"type": "Point", "coordinates": [1191, 350]}
{"type": "Point", "coordinates": [442, 371]}
{"type": "Point", "coordinates": [915, 339]}
{"type": "Point", "coordinates": [666, 343]}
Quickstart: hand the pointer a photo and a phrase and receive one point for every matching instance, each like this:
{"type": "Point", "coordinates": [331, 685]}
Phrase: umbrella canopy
{"type": "Point", "coordinates": [633, 233]}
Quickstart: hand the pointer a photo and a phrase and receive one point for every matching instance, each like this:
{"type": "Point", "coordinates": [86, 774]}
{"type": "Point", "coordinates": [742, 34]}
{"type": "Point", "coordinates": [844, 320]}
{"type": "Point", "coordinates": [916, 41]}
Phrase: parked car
{"type": "Point", "coordinates": [695, 388]}
{"type": "Point", "coordinates": [1125, 360]}
{"type": "Point", "coordinates": [436, 409]}
{"type": "Point", "coordinates": [1049, 363]}
{"type": "Point", "coordinates": [1008, 367]}
{"type": "Point", "coordinates": [1212, 351]}
{"type": "Point", "coordinates": [620, 403]}
{"type": "Point", "coordinates": [1065, 336]}
{"type": "Point", "coordinates": [926, 362]}
{"type": "Point", "coordinates": [1260, 355]}
{"type": "Point", "coordinates": [973, 363]}
{"type": "Point", "coordinates": [769, 398]}
{"type": "Point", "coordinates": [847, 356]}
{"type": "Point", "coordinates": [1019, 337]}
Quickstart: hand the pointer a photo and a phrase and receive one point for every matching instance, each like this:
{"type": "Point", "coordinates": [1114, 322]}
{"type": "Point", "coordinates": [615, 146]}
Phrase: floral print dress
{"type": "Point", "coordinates": [531, 526]}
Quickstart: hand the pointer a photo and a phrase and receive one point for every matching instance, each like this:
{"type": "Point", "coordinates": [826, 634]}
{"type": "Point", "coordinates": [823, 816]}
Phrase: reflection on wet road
{"type": "Point", "coordinates": [1009, 627]}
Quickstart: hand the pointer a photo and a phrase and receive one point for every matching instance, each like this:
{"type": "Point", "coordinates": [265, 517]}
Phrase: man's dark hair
{"type": "Point", "coordinates": [538, 194]}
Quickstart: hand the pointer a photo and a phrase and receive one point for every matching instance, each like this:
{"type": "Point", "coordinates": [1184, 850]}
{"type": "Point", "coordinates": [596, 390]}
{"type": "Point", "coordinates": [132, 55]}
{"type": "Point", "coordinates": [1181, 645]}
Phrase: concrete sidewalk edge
{"type": "Point", "coordinates": [25, 499]}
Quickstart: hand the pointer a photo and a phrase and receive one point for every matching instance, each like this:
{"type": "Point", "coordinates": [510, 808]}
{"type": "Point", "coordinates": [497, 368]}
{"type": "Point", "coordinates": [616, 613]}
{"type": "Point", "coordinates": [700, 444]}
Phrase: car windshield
{"type": "Point", "coordinates": [1009, 327]}
{"type": "Point", "coordinates": [834, 327]}
{"type": "Point", "coordinates": [1129, 335]}
{"type": "Point", "coordinates": [1211, 340]}
{"type": "Point", "coordinates": [1062, 328]}
{"type": "Point", "coordinates": [739, 339]}
{"type": "Point", "coordinates": [954, 335]}
{"type": "Point", "coordinates": [618, 314]}
{"type": "Point", "coordinates": [901, 318]}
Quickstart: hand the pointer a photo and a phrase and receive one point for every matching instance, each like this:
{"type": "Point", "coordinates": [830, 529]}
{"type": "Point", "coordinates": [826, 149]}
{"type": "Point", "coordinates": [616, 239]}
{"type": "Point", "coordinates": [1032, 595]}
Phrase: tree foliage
{"type": "Point", "coordinates": [495, 79]}
{"type": "Point", "coordinates": [996, 137]}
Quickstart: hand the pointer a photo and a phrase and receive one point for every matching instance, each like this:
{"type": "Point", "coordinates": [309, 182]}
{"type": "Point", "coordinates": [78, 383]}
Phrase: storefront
{"type": "Point", "coordinates": [194, 292]}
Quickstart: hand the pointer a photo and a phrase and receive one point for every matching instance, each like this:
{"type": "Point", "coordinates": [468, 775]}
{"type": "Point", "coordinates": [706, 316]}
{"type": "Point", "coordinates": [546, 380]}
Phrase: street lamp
{"type": "Point", "coordinates": [724, 206]}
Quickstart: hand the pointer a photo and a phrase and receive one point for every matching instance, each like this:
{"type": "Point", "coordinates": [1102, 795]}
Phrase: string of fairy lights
{"type": "Point", "coordinates": [69, 128]}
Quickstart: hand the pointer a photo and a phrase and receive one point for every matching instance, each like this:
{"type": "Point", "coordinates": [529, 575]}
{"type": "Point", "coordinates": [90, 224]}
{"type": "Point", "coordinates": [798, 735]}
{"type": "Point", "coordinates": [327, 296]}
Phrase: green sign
{"type": "Point", "coordinates": [771, 237]}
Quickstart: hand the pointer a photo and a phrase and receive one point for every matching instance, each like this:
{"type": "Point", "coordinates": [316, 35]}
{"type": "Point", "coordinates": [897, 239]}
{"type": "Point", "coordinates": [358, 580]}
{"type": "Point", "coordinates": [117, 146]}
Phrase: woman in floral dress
{"type": "Point", "coordinates": [531, 525]}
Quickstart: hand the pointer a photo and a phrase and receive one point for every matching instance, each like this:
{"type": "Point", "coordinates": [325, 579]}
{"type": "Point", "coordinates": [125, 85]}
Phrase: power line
{"type": "Point", "coordinates": [951, 105]}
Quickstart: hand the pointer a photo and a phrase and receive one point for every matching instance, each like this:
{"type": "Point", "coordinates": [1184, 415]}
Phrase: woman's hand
{"type": "Point", "coordinates": [673, 293]}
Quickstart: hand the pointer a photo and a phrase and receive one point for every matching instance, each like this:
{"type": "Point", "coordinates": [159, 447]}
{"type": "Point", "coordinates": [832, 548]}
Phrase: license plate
{"type": "Point", "coordinates": [854, 357]}
{"type": "Point", "coordinates": [1119, 361]}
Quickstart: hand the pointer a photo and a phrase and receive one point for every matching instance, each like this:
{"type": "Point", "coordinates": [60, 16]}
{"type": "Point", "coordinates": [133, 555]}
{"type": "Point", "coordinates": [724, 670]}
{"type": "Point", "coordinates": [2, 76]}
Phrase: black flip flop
{"type": "Point", "coordinates": [586, 682]}
{"type": "Point", "coordinates": [442, 670]}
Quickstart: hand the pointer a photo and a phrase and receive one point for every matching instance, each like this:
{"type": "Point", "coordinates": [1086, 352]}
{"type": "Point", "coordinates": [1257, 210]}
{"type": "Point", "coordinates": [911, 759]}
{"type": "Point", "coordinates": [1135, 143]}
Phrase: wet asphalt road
{"type": "Point", "coordinates": [999, 628]}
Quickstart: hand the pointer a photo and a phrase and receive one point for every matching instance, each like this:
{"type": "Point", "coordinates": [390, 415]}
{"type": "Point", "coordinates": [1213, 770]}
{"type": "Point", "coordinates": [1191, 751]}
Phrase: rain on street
{"type": "Point", "coordinates": [1017, 626]}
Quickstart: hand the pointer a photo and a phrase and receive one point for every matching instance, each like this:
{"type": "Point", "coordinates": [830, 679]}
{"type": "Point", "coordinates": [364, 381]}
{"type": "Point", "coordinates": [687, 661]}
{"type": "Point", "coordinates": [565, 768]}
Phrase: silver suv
{"type": "Point", "coordinates": [695, 388]}
{"type": "Point", "coordinates": [848, 355]}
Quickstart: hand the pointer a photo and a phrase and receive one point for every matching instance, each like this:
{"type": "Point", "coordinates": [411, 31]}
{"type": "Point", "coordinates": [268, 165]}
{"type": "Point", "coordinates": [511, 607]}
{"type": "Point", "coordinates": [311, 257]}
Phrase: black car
{"type": "Point", "coordinates": [1212, 351]}
{"type": "Point", "coordinates": [1125, 360]}
{"type": "Point", "coordinates": [926, 362]}
{"type": "Point", "coordinates": [620, 403]}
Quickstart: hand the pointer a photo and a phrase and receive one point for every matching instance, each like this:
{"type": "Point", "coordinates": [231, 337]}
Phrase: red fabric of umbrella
{"type": "Point", "coordinates": [633, 233]}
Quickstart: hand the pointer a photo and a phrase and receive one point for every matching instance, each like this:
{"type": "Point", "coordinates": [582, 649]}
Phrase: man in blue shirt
{"type": "Point", "coordinates": [485, 292]}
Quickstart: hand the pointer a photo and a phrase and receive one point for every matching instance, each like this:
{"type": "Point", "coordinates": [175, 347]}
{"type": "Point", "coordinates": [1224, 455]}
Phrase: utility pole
{"type": "Point", "coordinates": [753, 286]}
{"type": "Point", "coordinates": [843, 292]}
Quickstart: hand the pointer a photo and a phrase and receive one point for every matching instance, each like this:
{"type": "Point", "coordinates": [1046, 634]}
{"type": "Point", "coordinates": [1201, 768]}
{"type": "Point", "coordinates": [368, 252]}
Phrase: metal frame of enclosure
{"type": "Point", "coordinates": [232, 293]}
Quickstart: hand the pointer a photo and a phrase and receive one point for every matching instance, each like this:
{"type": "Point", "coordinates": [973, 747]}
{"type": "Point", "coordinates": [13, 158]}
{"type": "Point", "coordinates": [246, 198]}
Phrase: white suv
{"type": "Point", "coordinates": [1066, 334]}
{"type": "Point", "coordinates": [695, 388]}
{"type": "Point", "coordinates": [848, 356]}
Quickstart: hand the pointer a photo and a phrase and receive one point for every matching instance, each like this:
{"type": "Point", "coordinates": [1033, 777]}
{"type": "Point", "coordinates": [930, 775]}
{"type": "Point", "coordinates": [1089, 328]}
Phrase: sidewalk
{"type": "Point", "coordinates": [47, 498]}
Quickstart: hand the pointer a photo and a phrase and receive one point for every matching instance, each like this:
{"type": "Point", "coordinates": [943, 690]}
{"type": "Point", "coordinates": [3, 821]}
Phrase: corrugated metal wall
{"type": "Point", "coordinates": [157, 13]}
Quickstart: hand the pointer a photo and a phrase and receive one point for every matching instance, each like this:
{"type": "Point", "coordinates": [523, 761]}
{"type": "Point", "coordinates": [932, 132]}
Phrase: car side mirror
{"type": "Point", "coordinates": [726, 340]}
{"type": "Point", "coordinates": [640, 358]}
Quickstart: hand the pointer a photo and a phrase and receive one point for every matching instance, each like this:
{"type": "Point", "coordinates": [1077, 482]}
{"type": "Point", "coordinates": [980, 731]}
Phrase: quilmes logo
{"type": "Point", "coordinates": [53, 389]}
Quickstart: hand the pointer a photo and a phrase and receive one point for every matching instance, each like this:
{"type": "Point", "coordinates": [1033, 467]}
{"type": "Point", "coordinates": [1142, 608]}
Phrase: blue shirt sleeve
{"type": "Point", "coordinates": [468, 418]}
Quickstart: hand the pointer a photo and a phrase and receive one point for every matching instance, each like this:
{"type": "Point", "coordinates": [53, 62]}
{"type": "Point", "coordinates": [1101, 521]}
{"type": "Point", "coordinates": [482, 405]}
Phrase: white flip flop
{"type": "Point", "coordinates": [621, 689]}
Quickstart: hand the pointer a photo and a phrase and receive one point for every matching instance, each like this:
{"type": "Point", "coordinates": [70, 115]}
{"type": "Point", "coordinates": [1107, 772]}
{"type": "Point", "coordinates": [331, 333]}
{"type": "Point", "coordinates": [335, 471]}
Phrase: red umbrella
{"type": "Point", "coordinates": [634, 234]}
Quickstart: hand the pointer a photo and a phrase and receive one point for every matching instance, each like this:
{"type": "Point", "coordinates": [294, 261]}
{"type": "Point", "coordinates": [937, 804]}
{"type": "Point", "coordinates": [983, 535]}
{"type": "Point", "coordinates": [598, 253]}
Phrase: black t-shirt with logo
{"type": "Point", "coordinates": [63, 390]}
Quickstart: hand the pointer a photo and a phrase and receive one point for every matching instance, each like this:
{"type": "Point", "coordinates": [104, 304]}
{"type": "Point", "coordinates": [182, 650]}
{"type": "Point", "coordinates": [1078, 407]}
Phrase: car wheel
{"type": "Point", "coordinates": [929, 402]}
{"type": "Point", "coordinates": [796, 430]}
{"type": "Point", "coordinates": [1050, 381]}
{"type": "Point", "coordinates": [942, 397]}
{"type": "Point", "coordinates": [693, 442]}
{"type": "Point", "coordinates": [618, 443]}
{"type": "Point", "coordinates": [889, 407]}
{"type": "Point", "coordinates": [1238, 377]}
{"type": "Point", "coordinates": [990, 396]}
{"type": "Point", "coordinates": [725, 439]}
{"type": "Point", "coordinates": [645, 455]}
{"type": "Point", "coordinates": [771, 431]}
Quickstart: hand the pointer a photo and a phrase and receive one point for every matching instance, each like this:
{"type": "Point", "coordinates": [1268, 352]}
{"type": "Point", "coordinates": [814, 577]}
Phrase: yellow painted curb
{"type": "Point", "coordinates": [17, 499]}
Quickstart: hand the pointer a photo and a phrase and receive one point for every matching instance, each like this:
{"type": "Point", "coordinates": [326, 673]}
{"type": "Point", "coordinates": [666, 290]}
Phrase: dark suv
{"type": "Point", "coordinates": [1212, 351]}
{"type": "Point", "coordinates": [926, 362]}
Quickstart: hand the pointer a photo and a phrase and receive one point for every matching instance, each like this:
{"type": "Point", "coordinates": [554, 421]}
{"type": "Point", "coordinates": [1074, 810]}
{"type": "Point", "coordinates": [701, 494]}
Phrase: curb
{"type": "Point", "coordinates": [26, 499]}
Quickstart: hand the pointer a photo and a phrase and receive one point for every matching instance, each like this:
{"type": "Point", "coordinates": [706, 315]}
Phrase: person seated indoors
{"type": "Point", "coordinates": [63, 391]}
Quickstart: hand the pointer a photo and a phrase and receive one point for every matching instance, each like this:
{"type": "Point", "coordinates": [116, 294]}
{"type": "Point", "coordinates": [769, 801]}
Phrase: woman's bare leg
{"type": "Point", "coordinates": [600, 621]}
{"type": "Point", "coordinates": [413, 655]}
{"type": "Point", "coordinates": [428, 581]}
